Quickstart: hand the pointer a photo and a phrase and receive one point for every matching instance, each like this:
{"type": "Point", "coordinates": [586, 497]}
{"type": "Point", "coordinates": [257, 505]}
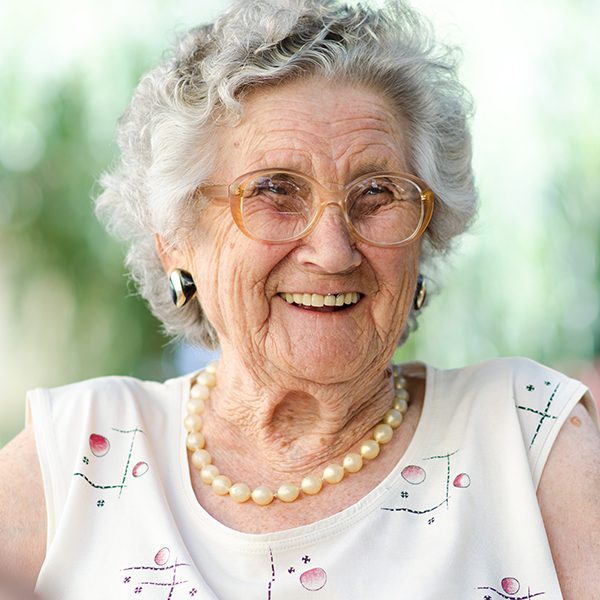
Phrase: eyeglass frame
{"type": "Point", "coordinates": [235, 198]}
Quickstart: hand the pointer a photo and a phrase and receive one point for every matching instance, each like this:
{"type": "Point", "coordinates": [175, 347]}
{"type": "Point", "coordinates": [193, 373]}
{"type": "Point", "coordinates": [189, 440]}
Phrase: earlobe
{"type": "Point", "coordinates": [170, 256]}
{"type": "Point", "coordinates": [182, 287]}
{"type": "Point", "coordinates": [173, 260]}
{"type": "Point", "coordinates": [420, 293]}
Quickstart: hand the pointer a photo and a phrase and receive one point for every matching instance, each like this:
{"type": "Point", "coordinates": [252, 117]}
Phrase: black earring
{"type": "Point", "coordinates": [182, 287]}
{"type": "Point", "coordinates": [420, 293]}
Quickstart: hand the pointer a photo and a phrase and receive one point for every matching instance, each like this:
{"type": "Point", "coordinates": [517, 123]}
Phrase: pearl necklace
{"type": "Point", "coordinates": [287, 492]}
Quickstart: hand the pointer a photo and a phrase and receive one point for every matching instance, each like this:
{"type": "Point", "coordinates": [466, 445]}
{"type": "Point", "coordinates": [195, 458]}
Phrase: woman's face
{"type": "Point", "coordinates": [334, 133]}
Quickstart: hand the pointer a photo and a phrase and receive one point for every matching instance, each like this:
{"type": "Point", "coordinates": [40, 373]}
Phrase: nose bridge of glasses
{"type": "Point", "coordinates": [329, 197]}
{"type": "Point", "coordinates": [329, 194]}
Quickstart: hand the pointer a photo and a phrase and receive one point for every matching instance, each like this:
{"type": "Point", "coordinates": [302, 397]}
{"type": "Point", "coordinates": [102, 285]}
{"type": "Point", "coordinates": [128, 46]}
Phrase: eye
{"type": "Point", "coordinates": [384, 198]}
{"type": "Point", "coordinates": [279, 193]}
{"type": "Point", "coordinates": [372, 196]}
{"type": "Point", "coordinates": [278, 185]}
{"type": "Point", "coordinates": [375, 188]}
{"type": "Point", "coordinates": [273, 187]}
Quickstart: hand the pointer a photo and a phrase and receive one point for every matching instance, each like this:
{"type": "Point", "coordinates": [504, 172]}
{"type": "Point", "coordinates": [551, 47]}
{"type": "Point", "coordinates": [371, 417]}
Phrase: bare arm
{"type": "Point", "coordinates": [569, 497]}
{"type": "Point", "coordinates": [22, 513]}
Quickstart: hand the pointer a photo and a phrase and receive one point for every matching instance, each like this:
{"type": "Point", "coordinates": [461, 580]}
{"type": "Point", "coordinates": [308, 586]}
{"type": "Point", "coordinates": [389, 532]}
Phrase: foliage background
{"type": "Point", "coordinates": [525, 281]}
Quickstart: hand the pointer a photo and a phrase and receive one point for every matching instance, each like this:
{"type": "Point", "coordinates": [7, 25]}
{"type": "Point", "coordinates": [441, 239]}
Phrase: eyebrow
{"type": "Point", "coordinates": [371, 167]}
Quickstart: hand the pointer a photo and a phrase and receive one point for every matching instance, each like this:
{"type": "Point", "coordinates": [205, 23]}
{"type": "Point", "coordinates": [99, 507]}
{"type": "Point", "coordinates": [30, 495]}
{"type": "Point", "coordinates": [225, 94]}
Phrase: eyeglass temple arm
{"type": "Point", "coordinates": [428, 198]}
{"type": "Point", "coordinates": [214, 191]}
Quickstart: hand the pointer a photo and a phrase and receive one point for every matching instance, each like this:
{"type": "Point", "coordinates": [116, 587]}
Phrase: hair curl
{"type": "Point", "coordinates": [165, 135]}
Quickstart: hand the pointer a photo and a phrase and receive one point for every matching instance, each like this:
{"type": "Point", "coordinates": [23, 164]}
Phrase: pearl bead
{"type": "Point", "coordinates": [195, 406]}
{"type": "Point", "coordinates": [333, 474]}
{"type": "Point", "coordinates": [393, 418]}
{"type": "Point", "coordinates": [201, 458]}
{"type": "Point", "coordinates": [383, 433]}
{"type": "Point", "coordinates": [240, 492]}
{"type": "Point", "coordinates": [352, 462]}
{"type": "Point", "coordinates": [400, 405]}
{"type": "Point", "coordinates": [401, 394]}
{"type": "Point", "coordinates": [193, 422]}
{"type": "Point", "coordinates": [207, 379]}
{"type": "Point", "coordinates": [311, 485]}
{"type": "Point", "coordinates": [399, 382]}
{"type": "Point", "coordinates": [200, 391]}
{"type": "Point", "coordinates": [221, 485]}
{"type": "Point", "coordinates": [211, 367]}
{"type": "Point", "coordinates": [369, 449]}
{"type": "Point", "coordinates": [208, 473]}
{"type": "Point", "coordinates": [262, 495]}
{"type": "Point", "coordinates": [288, 492]}
{"type": "Point", "coordinates": [194, 440]}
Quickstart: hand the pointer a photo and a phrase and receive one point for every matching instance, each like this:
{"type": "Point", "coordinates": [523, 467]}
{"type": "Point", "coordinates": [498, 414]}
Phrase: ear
{"type": "Point", "coordinates": [171, 257]}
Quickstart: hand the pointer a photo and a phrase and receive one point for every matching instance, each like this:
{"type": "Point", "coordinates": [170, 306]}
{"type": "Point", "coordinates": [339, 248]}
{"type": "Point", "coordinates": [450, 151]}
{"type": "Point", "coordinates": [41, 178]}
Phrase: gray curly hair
{"type": "Point", "coordinates": [165, 135]}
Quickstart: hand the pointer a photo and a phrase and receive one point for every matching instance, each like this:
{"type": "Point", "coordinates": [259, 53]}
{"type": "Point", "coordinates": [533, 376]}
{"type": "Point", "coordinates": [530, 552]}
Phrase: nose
{"type": "Point", "coordinates": [330, 247]}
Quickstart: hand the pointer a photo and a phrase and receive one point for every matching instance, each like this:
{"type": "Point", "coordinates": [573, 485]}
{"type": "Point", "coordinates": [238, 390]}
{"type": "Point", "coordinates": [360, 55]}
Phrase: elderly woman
{"type": "Point", "coordinates": [285, 176]}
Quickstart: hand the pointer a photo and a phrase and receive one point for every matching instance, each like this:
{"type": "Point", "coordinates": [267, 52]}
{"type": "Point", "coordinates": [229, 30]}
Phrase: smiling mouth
{"type": "Point", "coordinates": [328, 302]}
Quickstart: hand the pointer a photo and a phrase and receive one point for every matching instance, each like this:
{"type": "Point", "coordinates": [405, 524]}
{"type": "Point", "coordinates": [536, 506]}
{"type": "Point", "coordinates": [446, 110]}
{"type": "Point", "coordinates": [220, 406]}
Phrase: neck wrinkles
{"type": "Point", "coordinates": [279, 426]}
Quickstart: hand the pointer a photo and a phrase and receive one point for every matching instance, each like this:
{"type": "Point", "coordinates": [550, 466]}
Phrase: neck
{"type": "Point", "coordinates": [261, 420]}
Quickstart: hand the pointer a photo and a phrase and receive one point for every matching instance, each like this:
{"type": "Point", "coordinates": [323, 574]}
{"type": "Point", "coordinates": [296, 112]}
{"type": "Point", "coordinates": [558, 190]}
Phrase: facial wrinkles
{"type": "Point", "coordinates": [334, 142]}
{"type": "Point", "coordinates": [325, 146]}
{"type": "Point", "coordinates": [210, 245]}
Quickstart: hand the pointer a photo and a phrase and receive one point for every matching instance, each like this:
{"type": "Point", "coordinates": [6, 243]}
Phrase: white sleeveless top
{"type": "Point", "coordinates": [456, 519]}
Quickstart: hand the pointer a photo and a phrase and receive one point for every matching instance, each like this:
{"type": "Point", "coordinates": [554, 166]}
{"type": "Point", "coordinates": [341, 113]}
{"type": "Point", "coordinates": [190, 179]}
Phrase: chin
{"type": "Point", "coordinates": [327, 361]}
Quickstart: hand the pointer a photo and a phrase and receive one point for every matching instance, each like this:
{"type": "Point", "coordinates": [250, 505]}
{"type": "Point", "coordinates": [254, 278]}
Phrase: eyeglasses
{"type": "Point", "coordinates": [279, 206]}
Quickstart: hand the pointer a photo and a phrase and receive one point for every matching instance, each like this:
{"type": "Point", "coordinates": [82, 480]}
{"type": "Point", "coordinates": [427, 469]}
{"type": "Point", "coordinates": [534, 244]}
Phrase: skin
{"type": "Point", "coordinates": [22, 515]}
{"type": "Point", "coordinates": [297, 390]}
{"type": "Point", "coordinates": [569, 498]}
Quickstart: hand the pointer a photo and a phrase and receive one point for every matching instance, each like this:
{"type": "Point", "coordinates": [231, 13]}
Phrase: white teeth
{"type": "Point", "coordinates": [318, 300]}
{"type": "Point", "coordinates": [329, 300]}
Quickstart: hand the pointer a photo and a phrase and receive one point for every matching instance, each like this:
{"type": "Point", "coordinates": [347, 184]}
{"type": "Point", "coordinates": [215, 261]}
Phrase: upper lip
{"type": "Point", "coordinates": [301, 291]}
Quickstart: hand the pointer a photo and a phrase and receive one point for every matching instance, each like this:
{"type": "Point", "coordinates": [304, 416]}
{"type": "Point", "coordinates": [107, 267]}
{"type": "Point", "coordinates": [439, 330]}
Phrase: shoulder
{"type": "Point", "coordinates": [22, 512]}
{"type": "Point", "coordinates": [64, 418]}
{"type": "Point", "coordinates": [102, 395]}
{"type": "Point", "coordinates": [557, 418]}
{"type": "Point", "coordinates": [26, 466]}
{"type": "Point", "coordinates": [107, 386]}
{"type": "Point", "coordinates": [517, 396]}
{"type": "Point", "coordinates": [518, 371]}
{"type": "Point", "coordinates": [569, 498]}
{"type": "Point", "coordinates": [528, 385]}
{"type": "Point", "coordinates": [59, 415]}
{"type": "Point", "coordinates": [34, 467]}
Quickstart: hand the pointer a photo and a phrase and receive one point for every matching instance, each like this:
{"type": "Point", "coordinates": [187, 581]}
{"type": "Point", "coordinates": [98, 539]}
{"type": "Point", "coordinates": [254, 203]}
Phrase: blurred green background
{"type": "Point", "coordinates": [525, 281]}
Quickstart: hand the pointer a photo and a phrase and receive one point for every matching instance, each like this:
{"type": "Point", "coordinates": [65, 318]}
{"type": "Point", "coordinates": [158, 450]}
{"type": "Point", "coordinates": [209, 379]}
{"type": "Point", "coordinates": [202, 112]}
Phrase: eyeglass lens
{"type": "Point", "coordinates": [279, 206]}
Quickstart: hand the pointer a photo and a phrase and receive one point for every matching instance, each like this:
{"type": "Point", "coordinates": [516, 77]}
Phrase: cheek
{"type": "Point", "coordinates": [397, 270]}
{"type": "Point", "coordinates": [213, 246]}
{"type": "Point", "coordinates": [233, 273]}
{"type": "Point", "coordinates": [397, 278]}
